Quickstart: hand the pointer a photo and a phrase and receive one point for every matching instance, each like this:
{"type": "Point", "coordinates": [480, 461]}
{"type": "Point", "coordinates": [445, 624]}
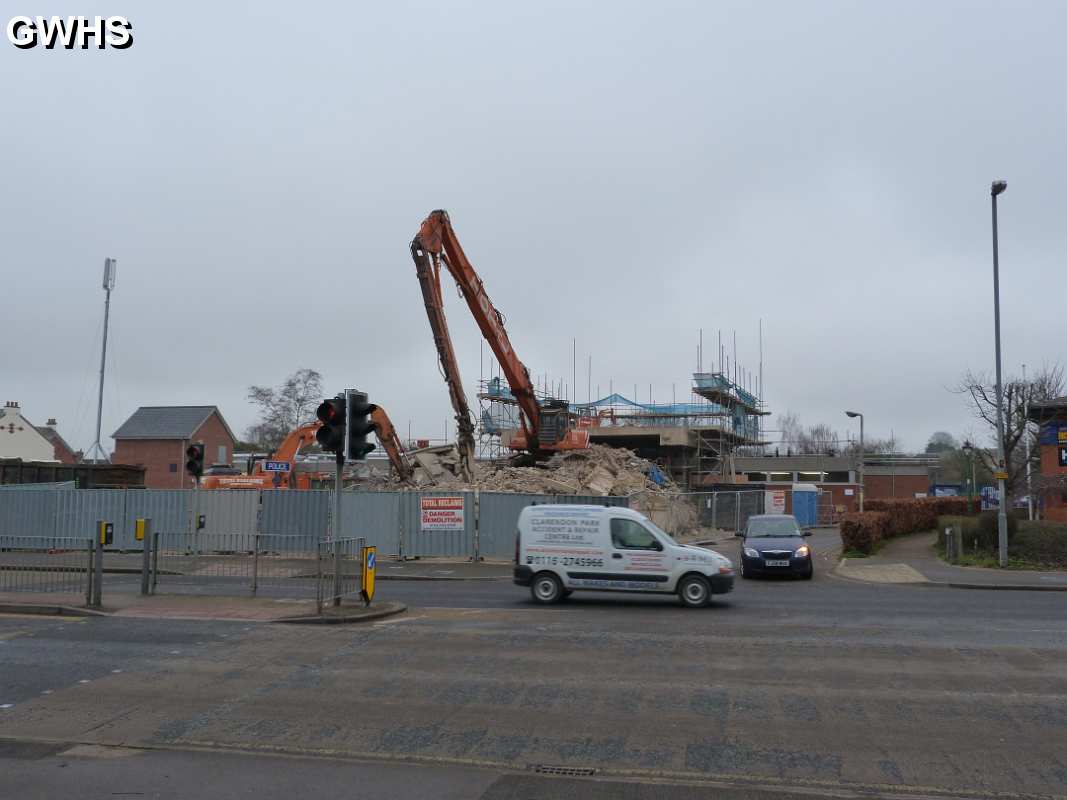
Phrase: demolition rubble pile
{"type": "Point", "coordinates": [598, 471]}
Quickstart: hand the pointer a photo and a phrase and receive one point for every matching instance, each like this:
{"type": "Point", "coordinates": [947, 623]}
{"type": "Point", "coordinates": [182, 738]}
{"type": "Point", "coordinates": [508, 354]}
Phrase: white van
{"type": "Point", "coordinates": [560, 548]}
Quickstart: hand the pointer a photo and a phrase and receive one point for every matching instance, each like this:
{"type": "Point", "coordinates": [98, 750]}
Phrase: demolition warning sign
{"type": "Point", "coordinates": [442, 513]}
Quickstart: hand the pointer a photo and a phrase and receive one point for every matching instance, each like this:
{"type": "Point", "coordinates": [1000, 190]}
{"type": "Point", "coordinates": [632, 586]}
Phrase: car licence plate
{"type": "Point", "coordinates": [777, 563]}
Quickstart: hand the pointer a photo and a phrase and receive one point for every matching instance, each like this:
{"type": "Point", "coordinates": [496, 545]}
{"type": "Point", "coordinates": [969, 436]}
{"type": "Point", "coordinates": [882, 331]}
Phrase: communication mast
{"type": "Point", "coordinates": [97, 452]}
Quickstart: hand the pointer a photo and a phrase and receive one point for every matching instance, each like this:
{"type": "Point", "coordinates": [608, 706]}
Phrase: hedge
{"type": "Point", "coordinates": [864, 531]}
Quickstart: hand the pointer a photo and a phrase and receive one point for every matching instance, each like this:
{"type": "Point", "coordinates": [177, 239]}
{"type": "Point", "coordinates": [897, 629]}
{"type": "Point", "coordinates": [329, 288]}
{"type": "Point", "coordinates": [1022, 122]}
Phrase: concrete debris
{"type": "Point", "coordinates": [598, 470]}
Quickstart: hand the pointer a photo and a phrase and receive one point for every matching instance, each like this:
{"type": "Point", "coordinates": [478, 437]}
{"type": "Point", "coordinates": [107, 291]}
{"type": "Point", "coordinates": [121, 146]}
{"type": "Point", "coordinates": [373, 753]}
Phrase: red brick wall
{"type": "Point", "coordinates": [156, 455]}
{"type": "Point", "coordinates": [213, 434]}
{"type": "Point", "coordinates": [888, 486]}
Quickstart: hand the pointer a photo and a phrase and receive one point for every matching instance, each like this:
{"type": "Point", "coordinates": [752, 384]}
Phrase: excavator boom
{"type": "Point", "coordinates": [390, 442]}
{"type": "Point", "coordinates": [436, 242]}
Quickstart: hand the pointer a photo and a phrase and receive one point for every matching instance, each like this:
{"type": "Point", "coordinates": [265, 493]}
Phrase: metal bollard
{"type": "Point", "coordinates": [98, 572]}
{"type": "Point", "coordinates": [143, 532]}
{"type": "Point", "coordinates": [336, 572]}
{"type": "Point", "coordinates": [255, 563]}
{"type": "Point", "coordinates": [155, 562]}
{"type": "Point", "coordinates": [89, 574]}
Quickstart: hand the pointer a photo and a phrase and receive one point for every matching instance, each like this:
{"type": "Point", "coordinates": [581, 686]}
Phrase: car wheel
{"type": "Point", "coordinates": [743, 573]}
{"type": "Point", "coordinates": [546, 588]}
{"type": "Point", "coordinates": [811, 571]}
{"type": "Point", "coordinates": [694, 591]}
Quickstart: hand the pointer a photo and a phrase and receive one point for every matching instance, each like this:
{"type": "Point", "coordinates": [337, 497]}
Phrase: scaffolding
{"type": "Point", "coordinates": [717, 445]}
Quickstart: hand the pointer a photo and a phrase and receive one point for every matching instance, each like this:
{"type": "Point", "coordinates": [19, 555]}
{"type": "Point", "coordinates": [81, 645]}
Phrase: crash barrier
{"type": "Point", "coordinates": [48, 564]}
{"type": "Point", "coordinates": [400, 524]}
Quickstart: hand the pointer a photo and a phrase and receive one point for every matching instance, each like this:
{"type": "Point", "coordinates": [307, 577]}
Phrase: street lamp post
{"type": "Point", "coordinates": [996, 188]}
{"type": "Point", "coordinates": [862, 484]}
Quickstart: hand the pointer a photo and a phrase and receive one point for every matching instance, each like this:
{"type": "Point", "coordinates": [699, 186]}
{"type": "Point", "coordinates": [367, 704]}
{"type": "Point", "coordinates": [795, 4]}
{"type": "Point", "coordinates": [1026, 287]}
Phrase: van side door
{"type": "Point", "coordinates": [638, 558]}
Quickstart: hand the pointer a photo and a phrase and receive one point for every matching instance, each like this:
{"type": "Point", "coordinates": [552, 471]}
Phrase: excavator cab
{"type": "Point", "coordinates": [558, 431]}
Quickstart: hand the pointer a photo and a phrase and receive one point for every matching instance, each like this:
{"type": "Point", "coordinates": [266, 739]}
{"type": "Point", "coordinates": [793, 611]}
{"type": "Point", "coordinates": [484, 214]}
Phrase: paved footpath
{"type": "Point", "coordinates": [912, 559]}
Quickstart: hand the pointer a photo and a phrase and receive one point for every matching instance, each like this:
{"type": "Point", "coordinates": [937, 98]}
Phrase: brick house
{"type": "Point", "coordinates": [1050, 484]}
{"type": "Point", "coordinates": [62, 451]}
{"type": "Point", "coordinates": [156, 438]}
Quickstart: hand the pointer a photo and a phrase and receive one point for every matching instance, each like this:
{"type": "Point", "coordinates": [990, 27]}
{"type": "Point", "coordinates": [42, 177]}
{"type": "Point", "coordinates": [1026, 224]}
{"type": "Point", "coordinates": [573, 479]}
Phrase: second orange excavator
{"type": "Point", "coordinates": [544, 429]}
{"type": "Point", "coordinates": [298, 439]}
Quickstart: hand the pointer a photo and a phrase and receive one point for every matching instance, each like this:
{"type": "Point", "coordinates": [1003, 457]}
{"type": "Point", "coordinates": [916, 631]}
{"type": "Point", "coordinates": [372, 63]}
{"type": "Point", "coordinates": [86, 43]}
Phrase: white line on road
{"type": "Point", "coordinates": [398, 619]}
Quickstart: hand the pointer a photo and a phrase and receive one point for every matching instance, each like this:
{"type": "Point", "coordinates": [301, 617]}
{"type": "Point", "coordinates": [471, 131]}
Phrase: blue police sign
{"type": "Point", "coordinates": [276, 466]}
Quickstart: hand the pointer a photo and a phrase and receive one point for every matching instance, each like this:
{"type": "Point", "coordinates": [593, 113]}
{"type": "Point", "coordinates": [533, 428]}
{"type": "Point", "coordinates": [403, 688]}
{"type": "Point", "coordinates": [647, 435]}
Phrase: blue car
{"type": "Point", "coordinates": [774, 545]}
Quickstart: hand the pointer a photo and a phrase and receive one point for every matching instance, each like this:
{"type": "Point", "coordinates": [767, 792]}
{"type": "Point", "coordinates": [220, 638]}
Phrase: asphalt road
{"type": "Point", "coordinates": [825, 686]}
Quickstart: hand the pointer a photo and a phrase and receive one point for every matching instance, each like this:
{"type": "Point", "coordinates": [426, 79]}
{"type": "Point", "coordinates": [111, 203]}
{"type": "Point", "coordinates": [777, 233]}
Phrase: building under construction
{"type": "Point", "coordinates": [695, 442]}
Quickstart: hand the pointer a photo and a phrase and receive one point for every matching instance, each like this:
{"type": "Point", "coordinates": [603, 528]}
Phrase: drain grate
{"type": "Point", "coordinates": [572, 772]}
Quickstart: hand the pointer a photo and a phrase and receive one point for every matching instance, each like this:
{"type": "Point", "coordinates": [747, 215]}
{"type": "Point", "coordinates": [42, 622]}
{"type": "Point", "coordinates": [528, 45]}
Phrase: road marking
{"type": "Point", "coordinates": [7, 705]}
{"type": "Point", "coordinates": [398, 619]}
{"type": "Point", "coordinates": [116, 671]}
{"type": "Point", "coordinates": [47, 691]}
{"type": "Point", "coordinates": [84, 680]}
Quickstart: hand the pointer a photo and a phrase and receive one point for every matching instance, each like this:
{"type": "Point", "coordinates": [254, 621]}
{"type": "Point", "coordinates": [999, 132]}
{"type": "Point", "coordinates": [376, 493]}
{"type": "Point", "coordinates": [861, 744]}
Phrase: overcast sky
{"type": "Point", "coordinates": [623, 174]}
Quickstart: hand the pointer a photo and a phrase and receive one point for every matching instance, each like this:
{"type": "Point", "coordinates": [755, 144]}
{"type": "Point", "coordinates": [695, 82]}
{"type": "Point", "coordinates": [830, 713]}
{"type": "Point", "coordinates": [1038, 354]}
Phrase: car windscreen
{"type": "Point", "coordinates": [773, 526]}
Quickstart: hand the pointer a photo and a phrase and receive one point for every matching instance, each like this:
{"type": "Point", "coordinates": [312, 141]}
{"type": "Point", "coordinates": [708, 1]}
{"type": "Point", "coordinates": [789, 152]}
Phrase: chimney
{"type": "Point", "coordinates": [51, 423]}
{"type": "Point", "coordinates": [11, 404]}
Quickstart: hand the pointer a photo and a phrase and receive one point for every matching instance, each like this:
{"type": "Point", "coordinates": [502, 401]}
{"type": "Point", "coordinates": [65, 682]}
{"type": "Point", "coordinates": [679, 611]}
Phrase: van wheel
{"type": "Point", "coordinates": [546, 588]}
{"type": "Point", "coordinates": [694, 591]}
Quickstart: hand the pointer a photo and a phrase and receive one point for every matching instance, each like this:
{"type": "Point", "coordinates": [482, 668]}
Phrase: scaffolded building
{"type": "Point", "coordinates": [695, 442]}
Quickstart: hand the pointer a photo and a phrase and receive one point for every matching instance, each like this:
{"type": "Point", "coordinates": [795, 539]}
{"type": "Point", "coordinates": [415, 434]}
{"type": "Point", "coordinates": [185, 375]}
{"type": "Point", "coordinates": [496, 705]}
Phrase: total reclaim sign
{"type": "Point", "coordinates": [442, 513]}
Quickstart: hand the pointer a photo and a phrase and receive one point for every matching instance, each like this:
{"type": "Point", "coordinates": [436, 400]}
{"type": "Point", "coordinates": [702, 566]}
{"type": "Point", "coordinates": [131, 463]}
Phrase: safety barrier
{"type": "Point", "coordinates": [236, 563]}
{"type": "Point", "coordinates": [400, 524]}
{"type": "Point", "coordinates": [49, 564]}
{"type": "Point", "coordinates": [340, 570]}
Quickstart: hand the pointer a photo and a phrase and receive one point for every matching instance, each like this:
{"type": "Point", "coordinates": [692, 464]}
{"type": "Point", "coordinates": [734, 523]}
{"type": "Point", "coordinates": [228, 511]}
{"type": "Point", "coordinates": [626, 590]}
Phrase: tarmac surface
{"type": "Point", "coordinates": [831, 687]}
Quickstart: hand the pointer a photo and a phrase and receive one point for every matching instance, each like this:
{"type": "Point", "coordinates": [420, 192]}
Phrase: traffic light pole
{"type": "Point", "coordinates": [338, 475]}
{"type": "Point", "coordinates": [335, 533]}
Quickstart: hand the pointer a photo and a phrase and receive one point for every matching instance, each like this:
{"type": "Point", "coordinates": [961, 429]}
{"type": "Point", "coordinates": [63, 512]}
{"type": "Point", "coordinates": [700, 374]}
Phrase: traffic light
{"type": "Point", "coordinates": [358, 425]}
{"type": "Point", "coordinates": [194, 460]}
{"type": "Point", "coordinates": [331, 413]}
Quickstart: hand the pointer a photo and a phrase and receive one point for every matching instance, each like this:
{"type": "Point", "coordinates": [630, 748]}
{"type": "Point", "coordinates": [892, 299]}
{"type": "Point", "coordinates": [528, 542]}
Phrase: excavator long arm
{"type": "Point", "coordinates": [427, 265]}
{"type": "Point", "coordinates": [436, 242]}
{"type": "Point", "coordinates": [390, 442]}
{"type": "Point", "coordinates": [296, 440]}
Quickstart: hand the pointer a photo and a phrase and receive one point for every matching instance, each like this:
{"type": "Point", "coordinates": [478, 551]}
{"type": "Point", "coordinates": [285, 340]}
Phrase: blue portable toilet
{"type": "Point", "coordinates": [806, 504]}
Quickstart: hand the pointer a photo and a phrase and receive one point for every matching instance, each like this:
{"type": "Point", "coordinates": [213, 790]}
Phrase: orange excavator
{"type": "Point", "coordinates": [544, 430]}
{"type": "Point", "coordinates": [300, 437]}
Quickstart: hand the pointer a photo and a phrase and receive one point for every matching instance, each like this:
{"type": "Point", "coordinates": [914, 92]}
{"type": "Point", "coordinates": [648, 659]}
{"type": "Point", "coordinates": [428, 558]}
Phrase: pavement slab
{"type": "Point", "coordinates": [912, 559]}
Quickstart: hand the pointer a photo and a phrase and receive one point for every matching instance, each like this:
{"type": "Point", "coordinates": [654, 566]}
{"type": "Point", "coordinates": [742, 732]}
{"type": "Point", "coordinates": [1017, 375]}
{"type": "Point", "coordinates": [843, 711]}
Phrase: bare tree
{"type": "Point", "coordinates": [980, 391]}
{"type": "Point", "coordinates": [283, 408]}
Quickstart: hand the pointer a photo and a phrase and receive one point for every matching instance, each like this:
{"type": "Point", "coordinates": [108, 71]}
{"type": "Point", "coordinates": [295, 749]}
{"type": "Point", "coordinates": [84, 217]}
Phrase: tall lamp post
{"type": "Point", "coordinates": [855, 414]}
{"type": "Point", "coordinates": [996, 188]}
